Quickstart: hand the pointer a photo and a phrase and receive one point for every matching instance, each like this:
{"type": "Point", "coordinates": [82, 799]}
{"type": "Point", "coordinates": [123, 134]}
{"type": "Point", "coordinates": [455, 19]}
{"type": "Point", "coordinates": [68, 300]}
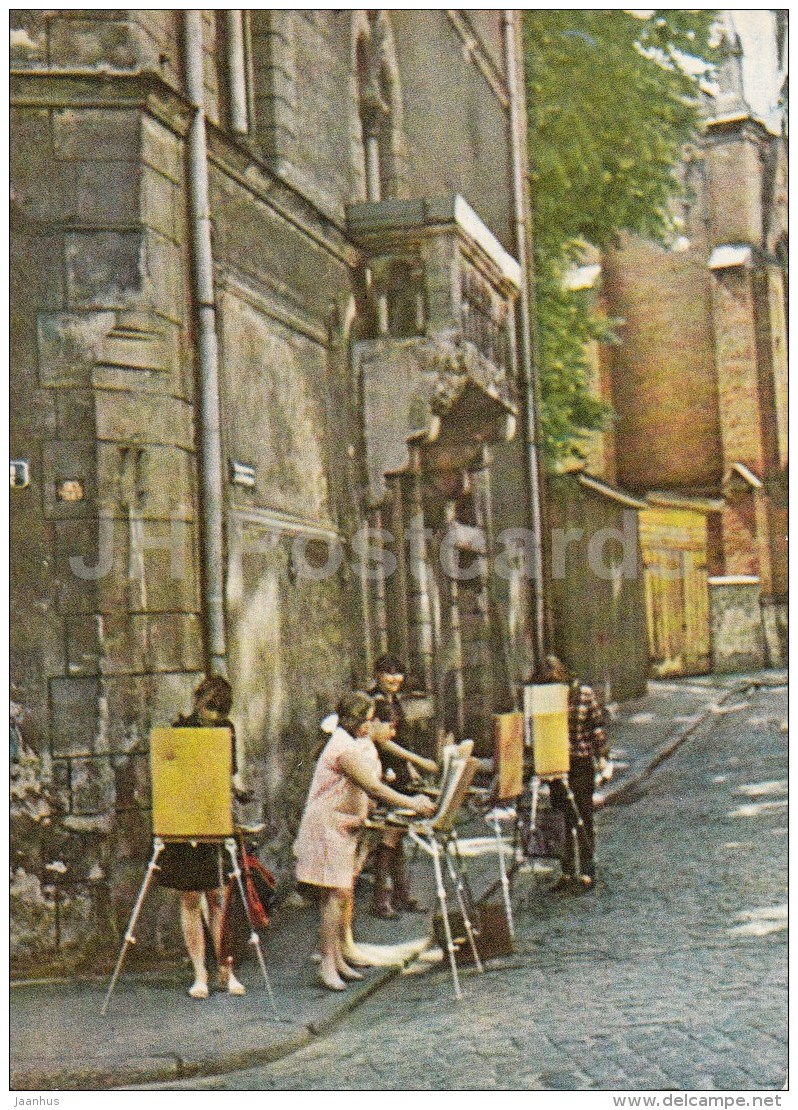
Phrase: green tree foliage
{"type": "Point", "coordinates": [611, 104]}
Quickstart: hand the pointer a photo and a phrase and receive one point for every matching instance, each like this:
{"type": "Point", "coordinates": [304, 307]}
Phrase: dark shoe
{"type": "Point", "coordinates": [408, 904]}
{"type": "Point", "coordinates": [384, 910]}
{"type": "Point", "coordinates": [402, 898]}
{"type": "Point", "coordinates": [564, 884]}
{"type": "Point", "coordinates": [381, 901]}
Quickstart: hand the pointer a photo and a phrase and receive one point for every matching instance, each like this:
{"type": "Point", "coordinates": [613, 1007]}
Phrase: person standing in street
{"type": "Point", "coordinates": [193, 868]}
{"type": "Point", "coordinates": [391, 886]}
{"type": "Point", "coordinates": [587, 744]}
{"type": "Point", "coordinates": [346, 777]}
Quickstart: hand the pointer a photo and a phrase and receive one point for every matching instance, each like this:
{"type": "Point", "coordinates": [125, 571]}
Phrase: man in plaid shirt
{"type": "Point", "coordinates": [588, 749]}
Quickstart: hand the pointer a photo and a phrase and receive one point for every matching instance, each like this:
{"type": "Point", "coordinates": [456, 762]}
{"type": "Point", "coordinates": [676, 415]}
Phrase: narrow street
{"type": "Point", "coordinates": [672, 974]}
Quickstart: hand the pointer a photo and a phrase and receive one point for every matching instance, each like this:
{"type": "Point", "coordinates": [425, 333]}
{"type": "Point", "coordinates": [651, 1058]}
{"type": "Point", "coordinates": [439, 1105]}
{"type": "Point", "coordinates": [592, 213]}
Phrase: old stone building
{"type": "Point", "coordinates": [596, 585]}
{"type": "Point", "coordinates": [699, 385]}
{"type": "Point", "coordinates": [267, 289]}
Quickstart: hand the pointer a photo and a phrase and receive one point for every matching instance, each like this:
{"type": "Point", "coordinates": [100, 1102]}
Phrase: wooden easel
{"type": "Point", "coordinates": [546, 714]}
{"type": "Point", "coordinates": [436, 837]}
{"type": "Point", "coordinates": [191, 802]}
{"type": "Point", "coordinates": [508, 759]}
{"type": "Point", "coordinates": [545, 735]}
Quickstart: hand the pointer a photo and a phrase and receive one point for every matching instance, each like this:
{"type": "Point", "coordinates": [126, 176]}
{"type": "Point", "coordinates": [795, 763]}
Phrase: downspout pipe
{"type": "Point", "coordinates": [527, 336]}
{"type": "Point", "coordinates": [211, 484]}
{"type": "Point", "coordinates": [237, 70]}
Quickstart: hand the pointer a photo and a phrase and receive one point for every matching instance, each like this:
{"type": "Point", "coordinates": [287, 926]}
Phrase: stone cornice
{"type": "Point", "coordinates": [271, 298]}
{"type": "Point", "coordinates": [147, 91]}
{"type": "Point", "coordinates": [721, 128]}
{"type": "Point", "coordinates": [240, 162]}
{"type": "Point", "coordinates": [102, 88]}
{"type": "Point", "coordinates": [483, 61]}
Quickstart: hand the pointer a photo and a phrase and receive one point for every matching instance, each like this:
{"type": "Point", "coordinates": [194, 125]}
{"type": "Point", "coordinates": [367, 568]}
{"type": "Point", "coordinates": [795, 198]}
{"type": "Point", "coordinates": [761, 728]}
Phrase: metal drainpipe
{"type": "Point", "coordinates": [211, 491]}
{"type": "Point", "coordinates": [236, 69]}
{"type": "Point", "coordinates": [527, 351]}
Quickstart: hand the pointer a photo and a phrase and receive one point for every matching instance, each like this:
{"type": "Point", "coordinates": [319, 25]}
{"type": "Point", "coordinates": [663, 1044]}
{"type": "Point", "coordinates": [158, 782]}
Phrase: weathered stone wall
{"type": "Point", "coordinates": [597, 589]}
{"type": "Point", "coordinates": [453, 122]}
{"type": "Point", "coordinates": [83, 39]}
{"type": "Point", "coordinates": [514, 591]}
{"type": "Point", "coordinates": [775, 631]}
{"type": "Point", "coordinates": [321, 135]}
{"type": "Point", "coordinates": [102, 398]}
{"type": "Point", "coordinates": [737, 633]}
{"type": "Point", "coordinates": [292, 646]}
{"type": "Point", "coordinates": [100, 321]}
{"type": "Point", "coordinates": [456, 126]}
{"type": "Point", "coordinates": [487, 24]}
{"type": "Point", "coordinates": [292, 652]}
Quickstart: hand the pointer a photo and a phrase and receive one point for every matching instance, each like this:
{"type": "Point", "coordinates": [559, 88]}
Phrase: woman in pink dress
{"type": "Point", "coordinates": [347, 774]}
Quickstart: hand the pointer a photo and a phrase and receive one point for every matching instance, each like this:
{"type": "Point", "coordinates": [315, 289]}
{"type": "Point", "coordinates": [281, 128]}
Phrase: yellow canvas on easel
{"type": "Point", "coordinates": [191, 791]}
{"type": "Point", "coordinates": [508, 755]}
{"type": "Point", "coordinates": [546, 710]}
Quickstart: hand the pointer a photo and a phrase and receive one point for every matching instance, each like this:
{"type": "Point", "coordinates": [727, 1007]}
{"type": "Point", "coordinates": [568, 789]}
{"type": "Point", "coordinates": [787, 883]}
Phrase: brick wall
{"type": "Point", "coordinates": [699, 379]}
{"type": "Point", "coordinates": [739, 535]}
{"type": "Point", "coordinates": [664, 388]}
{"type": "Point", "coordinates": [738, 380]}
{"type": "Point", "coordinates": [735, 172]}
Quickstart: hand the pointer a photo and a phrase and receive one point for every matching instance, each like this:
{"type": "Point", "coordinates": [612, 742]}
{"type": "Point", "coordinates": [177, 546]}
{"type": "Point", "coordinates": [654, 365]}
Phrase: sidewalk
{"type": "Point", "coordinates": [647, 730]}
{"type": "Point", "coordinates": [153, 1032]}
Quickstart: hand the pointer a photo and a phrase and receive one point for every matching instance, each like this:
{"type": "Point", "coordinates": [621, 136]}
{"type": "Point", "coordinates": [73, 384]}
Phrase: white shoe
{"type": "Point", "coordinates": [356, 957]}
{"type": "Point", "coordinates": [199, 989]}
{"type": "Point", "coordinates": [235, 987]}
{"type": "Point", "coordinates": [331, 982]}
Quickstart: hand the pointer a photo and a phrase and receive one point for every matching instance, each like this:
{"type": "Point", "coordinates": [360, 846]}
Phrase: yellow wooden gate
{"type": "Point", "coordinates": [674, 549]}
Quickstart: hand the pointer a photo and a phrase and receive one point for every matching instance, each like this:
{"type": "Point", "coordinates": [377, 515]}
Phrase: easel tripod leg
{"type": "Point", "coordinates": [505, 881]}
{"type": "Point", "coordinates": [441, 892]}
{"type": "Point", "coordinates": [533, 809]}
{"type": "Point", "coordinates": [521, 821]}
{"type": "Point", "coordinates": [456, 875]}
{"type": "Point", "coordinates": [578, 829]}
{"type": "Point", "coordinates": [152, 867]}
{"type": "Point", "coordinates": [254, 939]}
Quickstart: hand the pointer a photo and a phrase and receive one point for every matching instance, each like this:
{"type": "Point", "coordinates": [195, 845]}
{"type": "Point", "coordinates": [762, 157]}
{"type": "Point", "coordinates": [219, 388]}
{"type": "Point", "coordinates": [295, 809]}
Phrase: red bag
{"type": "Point", "coordinates": [259, 887]}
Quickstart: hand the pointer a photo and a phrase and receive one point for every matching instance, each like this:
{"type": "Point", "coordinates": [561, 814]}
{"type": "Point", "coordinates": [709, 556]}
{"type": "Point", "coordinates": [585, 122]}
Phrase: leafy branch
{"type": "Point", "coordinates": [612, 99]}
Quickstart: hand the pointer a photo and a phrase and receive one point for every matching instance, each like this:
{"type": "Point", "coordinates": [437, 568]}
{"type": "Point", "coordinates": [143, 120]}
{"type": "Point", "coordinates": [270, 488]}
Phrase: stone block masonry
{"type": "Point", "coordinates": [107, 639]}
{"type": "Point", "coordinates": [114, 422]}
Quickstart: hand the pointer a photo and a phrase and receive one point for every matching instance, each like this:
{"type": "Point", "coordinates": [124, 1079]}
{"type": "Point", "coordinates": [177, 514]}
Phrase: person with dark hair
{"type": "Point", "coordinates": [347, 774]}
{"type": "Point", "coordinates": [391, 886]}
{"type": "Point", "coordinates": [587, 743]}
{"type": "Point", "coordinates": [193, 869]}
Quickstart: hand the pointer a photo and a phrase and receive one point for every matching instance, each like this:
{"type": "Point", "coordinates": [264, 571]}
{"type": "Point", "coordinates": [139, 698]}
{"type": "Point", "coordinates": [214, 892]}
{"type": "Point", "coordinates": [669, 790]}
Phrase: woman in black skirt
{"type": "Point", "coordinates": [193, 869]}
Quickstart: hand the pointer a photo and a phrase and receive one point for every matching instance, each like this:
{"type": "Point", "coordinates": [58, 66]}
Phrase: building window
{"type": "Point", "coordinates": [379, 108]}
{"type": "Point", "coordinates": [485, 320]}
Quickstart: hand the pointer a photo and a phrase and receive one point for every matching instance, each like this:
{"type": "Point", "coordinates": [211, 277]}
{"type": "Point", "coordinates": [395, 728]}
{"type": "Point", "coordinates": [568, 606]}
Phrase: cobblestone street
{"type": "Point", "coordinates": [671, 974]}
